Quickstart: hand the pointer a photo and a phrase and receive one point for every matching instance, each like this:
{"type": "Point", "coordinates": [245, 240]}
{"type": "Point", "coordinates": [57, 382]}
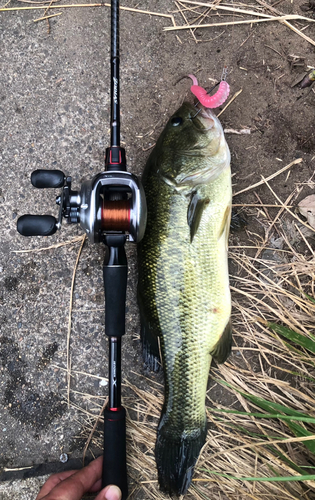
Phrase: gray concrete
{"type": "Point", "coordinates": [26, 489]}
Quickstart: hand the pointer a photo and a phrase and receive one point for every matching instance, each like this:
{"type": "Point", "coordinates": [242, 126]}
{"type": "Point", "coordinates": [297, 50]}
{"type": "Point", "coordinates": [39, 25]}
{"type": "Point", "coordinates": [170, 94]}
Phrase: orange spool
{"type": "Point", "coordinates": [116, 215]}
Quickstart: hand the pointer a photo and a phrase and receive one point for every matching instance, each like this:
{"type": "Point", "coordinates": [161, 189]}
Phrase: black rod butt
{"type": "Point", "coordinates": [114, 462]}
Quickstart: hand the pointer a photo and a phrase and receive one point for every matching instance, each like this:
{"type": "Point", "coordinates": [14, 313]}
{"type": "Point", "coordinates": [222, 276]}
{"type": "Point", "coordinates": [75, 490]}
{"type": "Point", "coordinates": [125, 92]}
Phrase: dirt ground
{"type": "Point", "coordinates": [54, 113]}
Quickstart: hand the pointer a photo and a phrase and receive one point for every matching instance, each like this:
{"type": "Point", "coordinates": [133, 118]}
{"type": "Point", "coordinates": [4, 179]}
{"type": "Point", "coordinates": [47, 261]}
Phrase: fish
{"type": "Point", "coordinates": [183, 282]}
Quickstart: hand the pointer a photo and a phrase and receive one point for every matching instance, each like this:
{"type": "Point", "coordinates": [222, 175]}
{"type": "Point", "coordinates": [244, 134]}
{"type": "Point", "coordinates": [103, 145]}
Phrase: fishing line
{"type": "Point", "coordinates": [197, 111]}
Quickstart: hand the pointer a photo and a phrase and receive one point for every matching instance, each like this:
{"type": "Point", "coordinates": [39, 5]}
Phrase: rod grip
{"type": "Point", "coordinates": [47, 178]}
{"type": "Point", "coordinates": [115, 284]}
{"type": "Point", "coordinates": [114, 455]}
{"type": "Point", "coordinates": [37, 225]}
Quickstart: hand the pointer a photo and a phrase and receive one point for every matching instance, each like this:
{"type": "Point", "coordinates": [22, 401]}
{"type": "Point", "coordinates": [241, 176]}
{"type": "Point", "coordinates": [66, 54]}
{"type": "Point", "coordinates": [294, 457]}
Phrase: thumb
{"type": "Point", "coordinates": [111, 492]}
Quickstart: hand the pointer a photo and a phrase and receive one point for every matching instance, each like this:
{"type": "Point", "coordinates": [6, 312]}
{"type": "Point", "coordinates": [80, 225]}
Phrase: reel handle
{"type": "Point", "coordinates": [114, 454]}
{"type": "Point", "coordinates": [47, 179]}
{"type": "Point", "coordinates": [37, 225]}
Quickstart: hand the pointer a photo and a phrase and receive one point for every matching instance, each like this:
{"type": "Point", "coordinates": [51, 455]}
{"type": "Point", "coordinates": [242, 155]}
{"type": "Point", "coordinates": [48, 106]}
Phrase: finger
{"type": "Point", "coordinates": [74, 487]}
{"type": "Point", "coordinates": [96, 487]}
{"type": "Point", "coordinates": [111, 492]}
{"type": "Point", "coordinates": [53, 481]}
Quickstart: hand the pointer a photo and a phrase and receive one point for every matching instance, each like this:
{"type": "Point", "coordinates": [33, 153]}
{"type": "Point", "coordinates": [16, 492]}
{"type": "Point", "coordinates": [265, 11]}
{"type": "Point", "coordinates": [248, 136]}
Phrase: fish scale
{"type": "Point", "coordinates": [183, 289]}
{"type": "Point", "coordinates": [202, 291]}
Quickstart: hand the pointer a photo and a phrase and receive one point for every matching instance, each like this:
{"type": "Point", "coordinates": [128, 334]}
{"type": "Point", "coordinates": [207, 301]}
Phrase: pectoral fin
{"type": "Point", "coordinates": [222, 350]}
{"type": "Point", "coordinates": [225, 225]}
{"type": "Point", "coordinates": [194, 214]}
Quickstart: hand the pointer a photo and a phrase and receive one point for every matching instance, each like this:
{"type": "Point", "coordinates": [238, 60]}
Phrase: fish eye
{"type": "Point", "coordinates": [177, 120]}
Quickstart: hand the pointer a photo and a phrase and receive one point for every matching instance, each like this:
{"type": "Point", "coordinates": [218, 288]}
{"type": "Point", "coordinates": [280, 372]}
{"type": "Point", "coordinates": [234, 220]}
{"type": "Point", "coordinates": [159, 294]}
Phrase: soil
{"type": "Point", "coordinates": [54, 112]}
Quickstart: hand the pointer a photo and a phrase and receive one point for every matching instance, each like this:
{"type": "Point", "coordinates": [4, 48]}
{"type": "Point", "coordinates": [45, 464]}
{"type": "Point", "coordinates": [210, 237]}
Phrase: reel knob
{"type": "Point", "coordinates": [69, 202]}
{"type": "Point", "coordinates": [37, 225]}
{"type": "Point", "coordinates": [47, 179]}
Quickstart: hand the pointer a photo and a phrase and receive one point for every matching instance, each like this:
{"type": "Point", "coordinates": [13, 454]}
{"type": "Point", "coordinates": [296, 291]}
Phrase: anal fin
{"type": "Point", "coordinates": [150, 348]}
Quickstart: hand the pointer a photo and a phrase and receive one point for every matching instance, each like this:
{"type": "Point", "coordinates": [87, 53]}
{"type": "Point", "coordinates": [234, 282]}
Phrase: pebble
{"type": "Point", "coordinates": [63, 458]}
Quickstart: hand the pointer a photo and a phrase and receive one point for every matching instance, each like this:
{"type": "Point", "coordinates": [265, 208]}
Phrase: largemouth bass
{"type": "Point", "coordinates": [183, 287]}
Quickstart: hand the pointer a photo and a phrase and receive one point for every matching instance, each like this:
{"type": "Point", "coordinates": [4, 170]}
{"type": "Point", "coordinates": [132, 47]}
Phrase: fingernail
{"type": "Point", "coordinates": [112, 493]}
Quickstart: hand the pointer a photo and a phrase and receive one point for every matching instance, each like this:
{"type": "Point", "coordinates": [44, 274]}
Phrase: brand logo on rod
{"type": "Point", "coordinates": [115, 90]}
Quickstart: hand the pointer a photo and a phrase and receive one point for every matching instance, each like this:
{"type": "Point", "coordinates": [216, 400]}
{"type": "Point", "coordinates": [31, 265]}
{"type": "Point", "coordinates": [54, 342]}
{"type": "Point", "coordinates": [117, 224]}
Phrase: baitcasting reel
{"type": "Point", "coordinates": [110, 208]}
{"type": "Point", "coordinates": [111, 203]}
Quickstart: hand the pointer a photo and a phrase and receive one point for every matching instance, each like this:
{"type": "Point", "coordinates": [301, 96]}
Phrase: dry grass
{"type": "Point", "coordinates": [248, 437]}
{"type": "Point", "coordinates": [195, 15]}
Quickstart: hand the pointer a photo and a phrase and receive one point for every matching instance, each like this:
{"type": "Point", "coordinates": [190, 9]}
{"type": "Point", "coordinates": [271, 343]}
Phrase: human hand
{"type": "Point", "coordinates": [73, 484]}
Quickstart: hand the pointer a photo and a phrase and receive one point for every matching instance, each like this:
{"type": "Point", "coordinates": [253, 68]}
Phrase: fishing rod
{"type": "Point", "coordinates": [111, 209]}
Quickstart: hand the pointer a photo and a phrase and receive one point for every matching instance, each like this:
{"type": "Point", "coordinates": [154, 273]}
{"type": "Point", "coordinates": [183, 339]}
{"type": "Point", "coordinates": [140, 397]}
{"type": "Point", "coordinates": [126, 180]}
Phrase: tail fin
{"type": "Point", "coordinates": [176, 457]}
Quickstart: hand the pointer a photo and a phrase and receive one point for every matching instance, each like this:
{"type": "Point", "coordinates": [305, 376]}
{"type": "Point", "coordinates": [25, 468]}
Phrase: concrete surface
{"type": "Point", "coordinates": [22, 489]}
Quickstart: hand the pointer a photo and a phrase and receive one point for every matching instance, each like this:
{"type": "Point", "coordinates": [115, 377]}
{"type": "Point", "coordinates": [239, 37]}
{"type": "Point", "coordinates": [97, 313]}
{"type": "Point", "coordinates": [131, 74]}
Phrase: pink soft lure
{"type": "Point", "coordinates": [210, 101]}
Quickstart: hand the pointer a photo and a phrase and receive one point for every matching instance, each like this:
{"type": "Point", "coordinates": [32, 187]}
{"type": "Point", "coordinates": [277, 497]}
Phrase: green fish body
{"type": "Point", "coordinates": [183, 288]}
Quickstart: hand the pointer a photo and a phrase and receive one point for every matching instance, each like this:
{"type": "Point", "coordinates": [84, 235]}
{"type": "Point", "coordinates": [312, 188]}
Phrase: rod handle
{"type": "Point", "coordinates": [115, 284]}
{"type": "Point", "coordinates": [114, 455]}
{"type": "Point", "coordinates": [47, 178]}
{"type": "Point", "coordinates": [115, 273]}
{"type": "Point", "coordinates": [37, 225]}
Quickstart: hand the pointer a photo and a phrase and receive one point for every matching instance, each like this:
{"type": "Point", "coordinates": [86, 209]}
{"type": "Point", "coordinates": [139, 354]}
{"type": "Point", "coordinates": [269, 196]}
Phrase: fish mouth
{"type": "Point", "coordinates": [204, 119]}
